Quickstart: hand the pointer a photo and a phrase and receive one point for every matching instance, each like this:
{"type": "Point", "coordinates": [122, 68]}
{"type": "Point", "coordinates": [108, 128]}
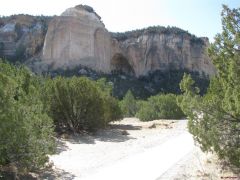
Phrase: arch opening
{"type": "Point", "coordinates": [120, 65]}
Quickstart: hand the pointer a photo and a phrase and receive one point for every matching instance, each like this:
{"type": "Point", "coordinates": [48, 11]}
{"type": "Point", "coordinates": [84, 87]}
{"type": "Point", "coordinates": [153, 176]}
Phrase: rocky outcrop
{"type": "Point", "coordinates": [78, 37]}
{"type": "Point", "coordinates": [22, 36]}
{"type": "Point", "coordinates": [147, 51]}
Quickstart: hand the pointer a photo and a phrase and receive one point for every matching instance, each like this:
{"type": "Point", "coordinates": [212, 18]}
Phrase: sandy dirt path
{"type": "Point", "coordinates": [148, 151]}
{"type": "Point", "coordinates": [148, 165]}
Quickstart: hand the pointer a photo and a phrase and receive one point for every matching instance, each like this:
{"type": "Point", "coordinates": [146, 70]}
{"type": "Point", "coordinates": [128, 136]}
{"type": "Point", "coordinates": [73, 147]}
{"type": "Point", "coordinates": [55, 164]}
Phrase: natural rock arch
{"type": "Point", "coordinates": [120, 64]}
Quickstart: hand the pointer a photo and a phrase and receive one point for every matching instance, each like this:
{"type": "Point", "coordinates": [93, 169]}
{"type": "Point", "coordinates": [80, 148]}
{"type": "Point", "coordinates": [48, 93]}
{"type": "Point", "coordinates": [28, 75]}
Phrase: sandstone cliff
{"type": "Point", "coordinates": [159, 48]}
{"type": "Point", "coordinates": [78, 37]}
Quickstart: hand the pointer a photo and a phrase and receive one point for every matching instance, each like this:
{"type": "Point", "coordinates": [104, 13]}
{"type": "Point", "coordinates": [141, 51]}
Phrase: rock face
{"type": "Point", "coordinates": [78, 37]}
{"type": "Point", "coordinates": [22, 36]}
{"type": "Point", "coordinates": [158, 50]}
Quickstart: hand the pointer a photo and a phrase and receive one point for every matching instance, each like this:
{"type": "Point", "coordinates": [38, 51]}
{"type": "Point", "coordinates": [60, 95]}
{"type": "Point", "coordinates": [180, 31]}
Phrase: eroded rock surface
{"type": "Point", "coordinates": [149, 52]}
{"type": "Point", "coordinates": [78, 37]}
{"type": "Point", "coordinates": [22, 36]}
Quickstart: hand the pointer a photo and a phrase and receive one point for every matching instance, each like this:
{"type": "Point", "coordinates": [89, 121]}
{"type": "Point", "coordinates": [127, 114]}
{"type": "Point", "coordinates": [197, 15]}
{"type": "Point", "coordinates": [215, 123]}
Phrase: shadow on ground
{"type": "Point", "coordinates": [125, 127]}
{"type": "Point", "coordinates": [56, 174]}
{"type": "Point", "coordinates": [46, 174]}
{"type": "Point", "coordinates": [114, 133]}
{"type": "Point", "coordinates": [61, 146]}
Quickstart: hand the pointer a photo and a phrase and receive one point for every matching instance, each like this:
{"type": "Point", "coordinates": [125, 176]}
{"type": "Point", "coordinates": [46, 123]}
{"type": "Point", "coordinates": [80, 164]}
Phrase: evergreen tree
{"type": "Point", "coordinates": [214, 119]}
{"type": "Point", "coordinates": [129, 105]}
{"type": "Point", "coordinates": [26, 131]}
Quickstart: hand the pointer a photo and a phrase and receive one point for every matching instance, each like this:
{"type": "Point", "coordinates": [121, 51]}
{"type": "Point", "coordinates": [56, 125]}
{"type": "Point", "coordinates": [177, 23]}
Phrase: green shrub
{"type": "Point", "coordinates": [146, 112]}
{"type": "Point", "coordinates": [79, 104]}
{"type": "Point", "coordinates": [129, 105]}
{"type": "Point", "coordinates": [26, 131]}
{"type": "Point", "coordinates": [112, 110]}
{"type": "Point", "coordinates": [160, 107]}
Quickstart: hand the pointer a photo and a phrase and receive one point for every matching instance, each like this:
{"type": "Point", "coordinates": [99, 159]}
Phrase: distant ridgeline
{"type": "Point", "coordinates": [147, 61]}
{"type": "Point", "coordinates": [122, 36]}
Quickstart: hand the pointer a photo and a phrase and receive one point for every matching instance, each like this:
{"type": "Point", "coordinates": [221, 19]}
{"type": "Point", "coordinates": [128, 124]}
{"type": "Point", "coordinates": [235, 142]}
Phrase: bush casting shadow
{"type": "Point", "coordinates": [114, 133]}
{"type": "Point", "coordinates": [125, 127]}
{"type": "Point", "coordinates": [56, 174]}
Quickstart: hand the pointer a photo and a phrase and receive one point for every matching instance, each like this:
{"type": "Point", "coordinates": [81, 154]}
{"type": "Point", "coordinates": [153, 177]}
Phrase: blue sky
{"type": "Point", "coordinates": [199, 17]}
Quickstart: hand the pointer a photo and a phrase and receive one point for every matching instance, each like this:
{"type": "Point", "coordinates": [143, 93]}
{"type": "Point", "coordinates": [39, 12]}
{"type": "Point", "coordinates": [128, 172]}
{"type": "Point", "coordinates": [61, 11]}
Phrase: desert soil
{"type": "Point", "coordinates": [131, 149]}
